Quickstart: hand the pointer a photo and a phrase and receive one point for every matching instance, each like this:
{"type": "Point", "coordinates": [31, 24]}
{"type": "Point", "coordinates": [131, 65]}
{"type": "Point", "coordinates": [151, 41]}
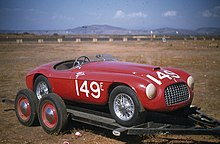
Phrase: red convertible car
{"type": "Point", "coordinates": [129, 89]}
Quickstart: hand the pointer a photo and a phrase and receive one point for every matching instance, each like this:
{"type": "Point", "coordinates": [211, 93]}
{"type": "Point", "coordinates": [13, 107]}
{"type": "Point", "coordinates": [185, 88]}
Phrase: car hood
{"type": "Point", "coordinates": [119, 67]}
{"type": "Point", "coordinates": [140, 70]}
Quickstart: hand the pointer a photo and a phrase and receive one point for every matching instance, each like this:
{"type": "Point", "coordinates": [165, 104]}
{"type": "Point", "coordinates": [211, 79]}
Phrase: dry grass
{"type": "Point", "coordinates": [196, 57]}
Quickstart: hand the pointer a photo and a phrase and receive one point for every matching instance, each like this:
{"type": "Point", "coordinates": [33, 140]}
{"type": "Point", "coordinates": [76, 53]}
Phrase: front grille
{"type": "Point", "coordinates": [176, 93]}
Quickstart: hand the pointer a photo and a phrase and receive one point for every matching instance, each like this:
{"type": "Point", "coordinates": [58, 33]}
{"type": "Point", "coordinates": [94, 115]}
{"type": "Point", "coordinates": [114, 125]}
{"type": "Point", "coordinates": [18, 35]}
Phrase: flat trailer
{"type": "Point", "coordinates": [196, 123]}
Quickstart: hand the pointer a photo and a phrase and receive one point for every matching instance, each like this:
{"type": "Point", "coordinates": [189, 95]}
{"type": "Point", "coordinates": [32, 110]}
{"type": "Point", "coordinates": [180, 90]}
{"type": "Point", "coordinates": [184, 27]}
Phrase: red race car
{"type": "Point", "coordinates": [129, 89]}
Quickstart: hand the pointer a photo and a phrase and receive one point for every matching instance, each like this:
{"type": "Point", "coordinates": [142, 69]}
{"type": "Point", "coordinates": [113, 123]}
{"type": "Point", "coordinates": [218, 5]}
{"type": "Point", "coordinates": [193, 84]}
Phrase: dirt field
{"type": "Point", "coordinates": [200, 58]}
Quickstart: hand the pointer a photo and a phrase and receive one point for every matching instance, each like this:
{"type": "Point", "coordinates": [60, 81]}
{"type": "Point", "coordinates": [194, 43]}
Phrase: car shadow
{"type": "Point", "coordinates": [155, 119]}
{"type": "Point", "coordinates": [130, 139]}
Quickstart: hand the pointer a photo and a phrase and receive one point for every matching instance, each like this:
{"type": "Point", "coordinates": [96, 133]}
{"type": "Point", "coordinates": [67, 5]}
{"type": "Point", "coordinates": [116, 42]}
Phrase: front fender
{"type": "Point", "coordinates": [136, 83]}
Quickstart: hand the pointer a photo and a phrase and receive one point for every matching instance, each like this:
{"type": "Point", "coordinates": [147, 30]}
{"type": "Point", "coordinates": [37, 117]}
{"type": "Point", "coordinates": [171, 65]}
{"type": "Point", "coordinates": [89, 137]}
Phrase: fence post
{"type": "Point", "coordinates": [125, 39]}
{"type": "Point", "coordinates": [78, 40]}
{"type": "Point", "coordinates": [59, 40]}
{"type": "Point", "coordinates": [19, 41]}
{"type": "Point", "coordinates": [40, 41]}
{"type": "Point", "coordinates": [111, 39]}
{"type": "Point", "coordinates": [94, 39]}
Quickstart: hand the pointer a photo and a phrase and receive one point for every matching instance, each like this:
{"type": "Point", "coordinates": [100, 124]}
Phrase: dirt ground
{"type": "Point", "coordinates": [200, 58]}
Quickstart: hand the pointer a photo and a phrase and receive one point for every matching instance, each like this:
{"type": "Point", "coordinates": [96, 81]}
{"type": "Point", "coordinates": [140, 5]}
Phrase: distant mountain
{"type": "Point", "coordinates": [111, 30]}
{"type": "Point", "coordinates": [208, 31]}
{"type": "Point", "coordinates": [37, 32]}
{"type": "Point", "coordinates": [173, 31]}
{"type": "Point", "coordinates": [98, 29]}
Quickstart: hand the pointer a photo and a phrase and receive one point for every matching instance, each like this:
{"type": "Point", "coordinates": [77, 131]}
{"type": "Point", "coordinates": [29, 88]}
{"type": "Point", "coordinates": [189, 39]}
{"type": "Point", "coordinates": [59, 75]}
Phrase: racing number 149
{"type": "Point", "coordinates": [161, 75]}
{"type": "Point", "coordinates": [94, 87]}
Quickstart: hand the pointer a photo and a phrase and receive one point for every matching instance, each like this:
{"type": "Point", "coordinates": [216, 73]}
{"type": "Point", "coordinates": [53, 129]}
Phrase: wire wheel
{"type": "Point", "coordinates": [124, 107]}
{"type": "Point", "coordinates": [41, 89]}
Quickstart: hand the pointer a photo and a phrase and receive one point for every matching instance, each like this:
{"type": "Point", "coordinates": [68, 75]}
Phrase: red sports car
{"type": "Point", "coordinates": [129, 89]}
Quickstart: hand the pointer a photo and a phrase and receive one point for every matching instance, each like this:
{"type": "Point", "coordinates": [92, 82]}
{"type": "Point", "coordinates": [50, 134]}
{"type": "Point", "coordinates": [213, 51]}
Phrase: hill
{"type": "Point", "coordinates": [112, 30]}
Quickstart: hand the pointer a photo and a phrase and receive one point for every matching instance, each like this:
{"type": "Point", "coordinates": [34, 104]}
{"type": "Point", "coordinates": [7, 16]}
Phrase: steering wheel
{"type": "Point", "coordinates": [81, 60]}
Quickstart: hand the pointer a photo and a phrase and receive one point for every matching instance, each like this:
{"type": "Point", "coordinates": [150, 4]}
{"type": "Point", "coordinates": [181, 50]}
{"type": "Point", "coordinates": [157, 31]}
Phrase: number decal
{"type": "Point", "coordinates": [162, 75]}
{"type": "Point", "coordinates": [77, 88]}
{"type": "Point", "coordinates": [95, 89]}
{"type": "Point", "coordinates": [84, 88]}
{"type": "Point", "coordinates": [172, 74]}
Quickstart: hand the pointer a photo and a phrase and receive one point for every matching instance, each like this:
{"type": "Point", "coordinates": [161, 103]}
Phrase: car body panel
{"type": "Point", "coordinates": [92, 82]}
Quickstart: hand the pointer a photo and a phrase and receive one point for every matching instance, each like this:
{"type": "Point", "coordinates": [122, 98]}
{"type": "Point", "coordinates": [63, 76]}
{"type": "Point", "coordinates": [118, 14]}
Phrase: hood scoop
{"type": "Point", "coordinates": [156, 68]}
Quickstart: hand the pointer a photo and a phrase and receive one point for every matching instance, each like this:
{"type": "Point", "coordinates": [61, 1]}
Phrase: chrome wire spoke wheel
{"type": "Point", "coordinates": [42, 89]}
{"type": "Point", "coordinates": [124, 107]}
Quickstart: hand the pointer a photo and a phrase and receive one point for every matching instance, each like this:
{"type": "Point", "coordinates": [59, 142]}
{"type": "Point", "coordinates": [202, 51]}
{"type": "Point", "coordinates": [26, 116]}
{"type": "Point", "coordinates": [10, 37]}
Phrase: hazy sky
{"type": "Point", "coordinates": [135, 14]}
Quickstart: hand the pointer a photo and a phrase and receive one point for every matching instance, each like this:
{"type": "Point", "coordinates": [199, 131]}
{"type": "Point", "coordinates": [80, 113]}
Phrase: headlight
{"type": "Point", "coordinates": [190, 82]}
{"type": "Point", "coordinates": [151, 91]}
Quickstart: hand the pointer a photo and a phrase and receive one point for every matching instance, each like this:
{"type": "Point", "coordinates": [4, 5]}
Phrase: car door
{"type": "Point", "coordinates": [62, 83]}
{"type": "Point", "coordinates": [88, 87]}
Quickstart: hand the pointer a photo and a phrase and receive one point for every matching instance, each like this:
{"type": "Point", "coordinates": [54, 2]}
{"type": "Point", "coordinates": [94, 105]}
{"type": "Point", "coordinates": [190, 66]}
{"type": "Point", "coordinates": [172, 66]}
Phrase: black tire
{"type": "Point", "coordinates": [137, 117]}
{"type": "Point", "coordinates": [42, 79]}
{"type": "Point", "coordinates": [56, 120]}
{"type": "Point", "coordinates": [26, 107]}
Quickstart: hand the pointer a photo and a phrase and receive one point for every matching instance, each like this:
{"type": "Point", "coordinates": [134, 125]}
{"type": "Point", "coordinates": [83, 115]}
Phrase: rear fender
{"type": "Point", "coordinates": [31, 76]}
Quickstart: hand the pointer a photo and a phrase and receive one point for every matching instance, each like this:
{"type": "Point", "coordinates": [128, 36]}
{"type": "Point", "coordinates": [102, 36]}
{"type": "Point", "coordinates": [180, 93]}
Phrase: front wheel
{"type": "Point", "coordinates": [125, 107]}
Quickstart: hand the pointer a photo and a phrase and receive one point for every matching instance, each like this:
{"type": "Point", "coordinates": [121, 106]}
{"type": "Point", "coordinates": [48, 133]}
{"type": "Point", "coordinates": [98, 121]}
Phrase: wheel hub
{"type": "Point", "coordinates": [49, 115]}
{"type": "Point", "coordinates": [124, 107]}
{"type": "Point", "coordinates": [42, 89]}
{"type": "Point", "coordinates": [24, 108]}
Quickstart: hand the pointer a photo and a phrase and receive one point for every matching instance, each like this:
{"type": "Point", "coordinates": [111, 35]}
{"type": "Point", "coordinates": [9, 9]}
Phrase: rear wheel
{"type": "Point", "coordinates": [125, 107]}
{"type": "Point", "coordinates": [52, 114]}
{"type": "Point", "coordinates": [42, 87]}
{"type": "Point", "coordinates": [26, 107]}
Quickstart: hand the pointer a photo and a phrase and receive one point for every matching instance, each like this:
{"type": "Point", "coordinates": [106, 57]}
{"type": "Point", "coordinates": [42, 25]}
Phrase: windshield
{"type": "Point", "coordinates": [104, 57]}
{"type": "Point", "coordinates": [82, 60]}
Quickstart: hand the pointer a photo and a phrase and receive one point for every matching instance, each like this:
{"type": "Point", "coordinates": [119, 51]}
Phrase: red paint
{"type": "Point", "coordinates": [106, 73]}
{"type": "Point", "coordinates": [24, 116]}
{"type": "Point", "coordinates": [49, 124]}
